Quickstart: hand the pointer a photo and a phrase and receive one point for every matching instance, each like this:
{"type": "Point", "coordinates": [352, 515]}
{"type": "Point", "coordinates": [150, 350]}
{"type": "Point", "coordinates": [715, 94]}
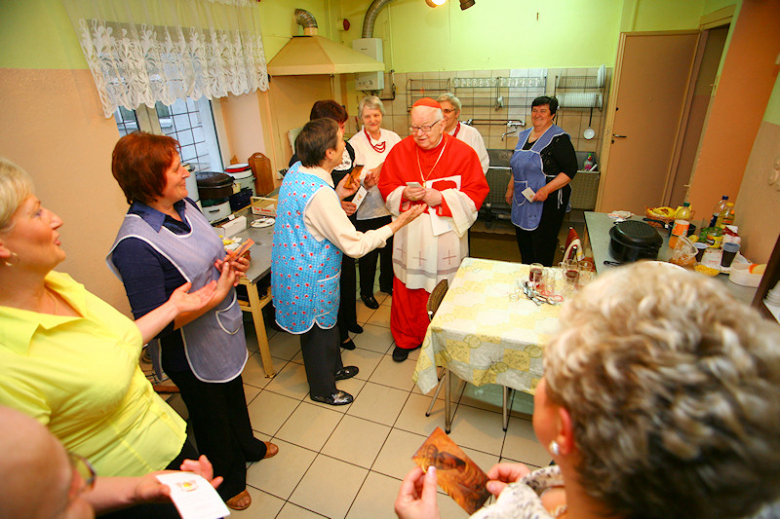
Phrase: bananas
{"type": "Point", "coordinates": [663, 212]}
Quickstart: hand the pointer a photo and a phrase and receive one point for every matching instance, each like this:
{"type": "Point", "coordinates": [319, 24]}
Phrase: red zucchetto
{"type": "Point", "coordinates": [427, 101]}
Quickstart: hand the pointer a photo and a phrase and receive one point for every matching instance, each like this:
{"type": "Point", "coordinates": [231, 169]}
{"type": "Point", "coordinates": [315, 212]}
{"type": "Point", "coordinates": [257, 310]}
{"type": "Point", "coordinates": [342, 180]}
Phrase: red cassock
{"type": "Point", "coordinates": [430, 248]}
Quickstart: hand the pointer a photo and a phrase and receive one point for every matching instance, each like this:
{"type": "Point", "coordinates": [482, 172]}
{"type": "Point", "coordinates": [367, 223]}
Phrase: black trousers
{"type": "Point", "coordinates": [220, 421]}
{"type": "Point", "coordinates": [322, 359]}
{"type": "Point", "coordinates": [539, 245]}
{"type": "Point", "coordinates": [157, 510]}
{"type": "Point", "coordinates": [347, 316]}
{"type": "Point", "coordinates": [367, 264]}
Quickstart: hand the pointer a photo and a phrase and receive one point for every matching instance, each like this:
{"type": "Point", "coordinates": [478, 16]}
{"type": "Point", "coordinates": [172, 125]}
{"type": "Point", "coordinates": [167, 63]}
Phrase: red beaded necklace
{"type": "Point", "coordinates": [379, 148]}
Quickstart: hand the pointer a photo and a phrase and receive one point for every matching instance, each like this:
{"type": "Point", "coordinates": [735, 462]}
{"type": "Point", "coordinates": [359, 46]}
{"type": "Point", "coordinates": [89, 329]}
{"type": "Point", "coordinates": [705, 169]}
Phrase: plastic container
{"type": "Point", "coordinates": [684, 212]}
{"type": "Point", "coordinates": [684, 253]}
{"type": "Point", "coordinates": [719, 208]}
{"type": "Point", "coordinates": [728, 218]}
{"type": "Point", "coordinates": [680, 229]}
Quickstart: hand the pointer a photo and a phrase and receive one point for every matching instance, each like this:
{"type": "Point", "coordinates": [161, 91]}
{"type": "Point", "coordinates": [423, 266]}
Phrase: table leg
{"type": "Point", "coordinates": [447, 400]}
{"type": "Point", "coordinates": [504, 409]}
{"type": "Point", "coordinates": [256, 307]}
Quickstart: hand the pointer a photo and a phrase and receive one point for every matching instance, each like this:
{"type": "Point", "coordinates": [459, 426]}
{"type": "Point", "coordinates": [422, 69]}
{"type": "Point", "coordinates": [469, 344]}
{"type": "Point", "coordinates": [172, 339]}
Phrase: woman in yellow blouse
{"type": "Point", "coordinates": [69, 359]}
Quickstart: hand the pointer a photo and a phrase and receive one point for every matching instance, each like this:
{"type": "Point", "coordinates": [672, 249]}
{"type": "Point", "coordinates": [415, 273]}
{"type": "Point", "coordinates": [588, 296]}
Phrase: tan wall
{"type": "Point", "coordinates": [52, 125]}
{"type": "Point", "coordinates": [745, 85]}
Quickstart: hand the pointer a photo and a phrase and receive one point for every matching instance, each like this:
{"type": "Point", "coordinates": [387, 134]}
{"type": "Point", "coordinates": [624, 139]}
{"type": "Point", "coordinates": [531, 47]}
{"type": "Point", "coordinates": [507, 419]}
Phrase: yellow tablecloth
{"type": "Point", "coordinates": [484, 333]}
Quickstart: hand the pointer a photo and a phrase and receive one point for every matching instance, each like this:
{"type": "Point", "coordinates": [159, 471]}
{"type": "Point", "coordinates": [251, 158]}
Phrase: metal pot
{"type": "Point", "coordinates": [670, 225]}
{"type": "Point", "coordinates": [633, 240]}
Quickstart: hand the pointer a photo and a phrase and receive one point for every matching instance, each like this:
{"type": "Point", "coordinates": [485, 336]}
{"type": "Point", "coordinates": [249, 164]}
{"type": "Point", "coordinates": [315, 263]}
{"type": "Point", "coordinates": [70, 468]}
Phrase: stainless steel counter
{"type": "Point", "coordinates": [598, 226]}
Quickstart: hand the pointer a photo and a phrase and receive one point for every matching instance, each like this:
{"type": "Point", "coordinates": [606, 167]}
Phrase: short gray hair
{"type": "Point", "coordinates": [450, 97]}
{"type": "Point", "coordinates": [15, 187]}
{"type": "Point", "coordinates": [673, 388]}
{"type": "Point", "coordinates": [372, 103]}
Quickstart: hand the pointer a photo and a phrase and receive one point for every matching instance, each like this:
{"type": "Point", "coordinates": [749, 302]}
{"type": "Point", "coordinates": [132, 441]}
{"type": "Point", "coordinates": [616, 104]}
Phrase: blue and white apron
{"type": "Point", "coordinates": [528, 171]}
{"type": "Point", "coordinates": [214, 343]}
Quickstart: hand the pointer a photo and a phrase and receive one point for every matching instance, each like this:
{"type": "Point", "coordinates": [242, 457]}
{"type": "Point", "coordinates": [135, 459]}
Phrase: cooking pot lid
{"type": "Point", "coordinates": [213, 179]}
{"type": "Point", "coordinates": [640, 234]}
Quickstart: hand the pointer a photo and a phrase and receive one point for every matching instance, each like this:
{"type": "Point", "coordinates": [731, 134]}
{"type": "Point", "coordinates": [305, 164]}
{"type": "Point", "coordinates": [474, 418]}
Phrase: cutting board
{"type": "Point", "coordinates": [263, 172]}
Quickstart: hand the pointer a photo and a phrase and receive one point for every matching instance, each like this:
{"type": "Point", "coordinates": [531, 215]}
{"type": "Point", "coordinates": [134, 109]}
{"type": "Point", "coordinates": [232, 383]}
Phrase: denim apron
{"type": "Point", "coordinates": [527, 171]}
{"type": "Point", "coordinates": [214, 343]}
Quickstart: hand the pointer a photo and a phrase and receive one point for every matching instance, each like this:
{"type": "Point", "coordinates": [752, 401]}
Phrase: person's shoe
{"type": "Point", "coordinates": [400, 354]}
{"type": "Point", "coordinates": [271, 450]}
{"type": "Point", "coordinates": [240, 501]}
{"type": "Point", "coordinates": [349, 345]}
{"type": "Point", "coordinates": [389, 291]}
{"type": "Point", "coordinates": [166, 387]}
{"type": "Point", "coordinates": [355, 328]}
{"type": "Point", "coordinates": [370, 302]}
{"type": "Point", "coordinates": [337, 398]}
{"type": "Point", "coordinates": [347, 372]}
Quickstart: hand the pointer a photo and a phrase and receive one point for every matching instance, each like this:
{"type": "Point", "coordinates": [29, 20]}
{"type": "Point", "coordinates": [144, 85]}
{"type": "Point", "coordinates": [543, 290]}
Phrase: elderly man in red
{"type": "Point", "coordinates": [429, 167]}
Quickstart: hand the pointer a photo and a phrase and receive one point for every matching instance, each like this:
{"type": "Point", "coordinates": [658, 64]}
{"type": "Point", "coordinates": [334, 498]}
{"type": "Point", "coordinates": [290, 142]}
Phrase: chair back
{"type": "Point", "coordinates": [434, 300]}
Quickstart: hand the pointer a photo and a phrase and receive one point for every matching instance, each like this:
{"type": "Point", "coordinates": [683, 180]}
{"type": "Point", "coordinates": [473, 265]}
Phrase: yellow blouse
{"type": "Point", "coordinates": [80, 377]}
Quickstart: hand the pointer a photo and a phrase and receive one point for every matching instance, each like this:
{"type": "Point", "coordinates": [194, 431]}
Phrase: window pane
{"type": "Point", "coordinates": [126, 121]}
{"type": "Point", "coordinates": [192, 124]}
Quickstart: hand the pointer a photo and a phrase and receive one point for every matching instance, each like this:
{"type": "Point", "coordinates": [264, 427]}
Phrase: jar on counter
{"type": "Point", "coordinates": [714, 237]}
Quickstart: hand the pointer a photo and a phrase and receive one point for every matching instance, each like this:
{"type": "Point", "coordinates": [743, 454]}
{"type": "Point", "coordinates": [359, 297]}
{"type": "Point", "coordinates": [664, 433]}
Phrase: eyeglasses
{"type": "Point", "coordinates": [426, 128]}
{"type": "Point", "coordinates": [84, 469]}
{"type": "Point", "coordinates": [448, 110]}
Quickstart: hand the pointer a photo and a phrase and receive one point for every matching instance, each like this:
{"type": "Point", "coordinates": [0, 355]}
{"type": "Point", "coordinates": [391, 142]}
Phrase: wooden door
{"type": "Point", "coordinates": [643, 119]}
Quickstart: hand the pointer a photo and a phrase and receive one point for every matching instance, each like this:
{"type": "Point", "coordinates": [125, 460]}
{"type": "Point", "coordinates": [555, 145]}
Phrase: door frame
{"type": "Point", "coordinates": [612, 102]}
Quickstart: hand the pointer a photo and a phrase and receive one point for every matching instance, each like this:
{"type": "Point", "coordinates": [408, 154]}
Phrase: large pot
{"type": "Point", "coordinates": [214, 185]}
{"type": "Point", "coordinates": [633, 240]}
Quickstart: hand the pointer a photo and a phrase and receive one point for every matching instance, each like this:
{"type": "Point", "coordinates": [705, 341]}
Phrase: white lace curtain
{"type": "Point", "coordinates": [144, 51]}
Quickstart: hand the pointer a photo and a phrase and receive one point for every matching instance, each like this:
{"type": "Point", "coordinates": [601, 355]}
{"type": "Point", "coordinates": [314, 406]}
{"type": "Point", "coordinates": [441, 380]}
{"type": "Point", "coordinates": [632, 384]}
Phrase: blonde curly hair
{"type": "Point", "coordinates": [673, 388]}
{"type": "Point", "coordinates": [15, 187]}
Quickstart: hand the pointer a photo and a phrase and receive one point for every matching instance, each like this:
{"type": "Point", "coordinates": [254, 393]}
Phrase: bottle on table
{"type": "Point", "coordinates": [682, 221]}
{"type": "Point", "coordinates": [728, 218]}
{"type": "Point", "coordinates": [720, 207]}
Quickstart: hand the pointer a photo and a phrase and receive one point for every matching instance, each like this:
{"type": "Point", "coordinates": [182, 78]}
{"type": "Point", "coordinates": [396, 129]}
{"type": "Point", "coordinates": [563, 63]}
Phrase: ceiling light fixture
{"type": "Point", "coordinates": [434, 3]}
{"type": "Point", "coordinates": [465, 4]}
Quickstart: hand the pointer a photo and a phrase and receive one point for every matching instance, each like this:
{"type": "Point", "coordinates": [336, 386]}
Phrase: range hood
{"type": "Point", "coordinates": [312, 54]}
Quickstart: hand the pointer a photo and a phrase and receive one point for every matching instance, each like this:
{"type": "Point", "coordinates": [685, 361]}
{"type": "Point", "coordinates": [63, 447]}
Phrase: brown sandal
{"type": "Point", "coordinates": [233, 501]}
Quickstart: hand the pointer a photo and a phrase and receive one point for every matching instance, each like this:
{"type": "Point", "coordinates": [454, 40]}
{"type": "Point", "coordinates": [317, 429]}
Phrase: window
{"type": "Point", "coordinates": [188, 121]}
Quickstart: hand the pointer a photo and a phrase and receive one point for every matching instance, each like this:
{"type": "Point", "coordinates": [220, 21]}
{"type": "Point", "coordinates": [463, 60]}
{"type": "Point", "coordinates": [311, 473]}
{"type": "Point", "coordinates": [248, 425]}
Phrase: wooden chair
{"type": "Point", "coordinates": [434, 300]}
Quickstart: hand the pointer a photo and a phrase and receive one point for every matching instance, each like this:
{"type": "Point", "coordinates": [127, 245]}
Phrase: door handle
{"type": "Point", "coordinates": [615, 135]}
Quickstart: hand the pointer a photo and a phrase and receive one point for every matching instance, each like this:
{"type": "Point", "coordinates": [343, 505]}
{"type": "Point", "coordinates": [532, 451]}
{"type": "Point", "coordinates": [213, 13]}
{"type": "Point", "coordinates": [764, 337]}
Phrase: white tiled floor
{"type": "Point", "coordinates": [348, 461]}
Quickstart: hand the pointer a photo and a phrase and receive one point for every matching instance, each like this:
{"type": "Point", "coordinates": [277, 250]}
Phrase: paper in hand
{"type": "Point", "coordinates": [456, 473]}
{"type": "Point", "coordinates": [193, 496]}
{"type": "Point", "coordinates": [529, 193]}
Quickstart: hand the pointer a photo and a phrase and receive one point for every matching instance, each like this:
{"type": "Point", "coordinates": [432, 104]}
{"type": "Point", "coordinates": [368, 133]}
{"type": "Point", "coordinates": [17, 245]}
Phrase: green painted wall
{"type": "Point", "coordinates": [772, 114]}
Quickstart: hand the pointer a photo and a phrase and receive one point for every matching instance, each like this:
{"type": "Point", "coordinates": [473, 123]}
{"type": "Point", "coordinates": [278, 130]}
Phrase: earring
{"type": "Point", "coordinates": [554, 448]}
{"type": "Point", "coordinates": [9, 263]}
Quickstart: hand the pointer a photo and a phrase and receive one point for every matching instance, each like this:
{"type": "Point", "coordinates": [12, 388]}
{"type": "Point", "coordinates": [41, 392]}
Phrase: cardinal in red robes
{"type": "Point", "coordinates": [429, 167]}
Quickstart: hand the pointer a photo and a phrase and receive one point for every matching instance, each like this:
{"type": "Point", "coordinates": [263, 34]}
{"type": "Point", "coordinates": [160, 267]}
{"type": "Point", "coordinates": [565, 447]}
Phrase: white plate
{"type": "Point", "coordinates": [263, 222]}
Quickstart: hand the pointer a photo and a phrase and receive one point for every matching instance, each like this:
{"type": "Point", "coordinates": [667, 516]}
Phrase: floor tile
{"type": "Point", "coordinates": [320, 490]}
{"type": "Point", "coordinates": [488, 397]}
{"type": "Point", "coordinates": [281, 474]}
{"type": "Point", "coordinates": [285, 345]}
{"type": "Point", "coordinates": [413, 419]}
{"type": "Point", "coordinates": [374, 338]}
{"type": "Point", "coordinates": [268, 411]}
{"type": "Point", "coordinates": [254, 374]}
{"type": "Point", "coordinates": [366, 360]}
{"type": "Point", "coordinates": [309, 426]}
{"type": "Point", "coordinates": [521, 444]}
{"type": "Point", "coordinates": [356, 441]}
{"type": "Point", "coordinates": [395, 458]}
{"type": "Point", "coordinates": [364, 313]}
{"type": "Point", "coordinates": [376, 498]}
{"type": "Point", "coordinates": [290, 381]}
{"type": "Point", "coordinates": [379, 404]}
{"type": "Point", "coordinates": [478, 429]}
{"type": "Point", "coordinates": [250, 392]}
{"type": "Point", "coordinates": [263, 505]}
{"type": "Point", "coordinates": [291, 511]}
{"type": "Point", "coordinates": [394, 374]}
{"type": "Point", "coordinates": [449, 508]}
{"type": "Point", "coordinates": [380, 317]}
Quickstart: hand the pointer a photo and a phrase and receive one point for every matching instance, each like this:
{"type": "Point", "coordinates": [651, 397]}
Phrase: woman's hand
{"type": "Point", "coordinates": [372, 178]}
{"type": "Point", "coordinates": [510, 191]}
{"type": "Point", "coordinates": [414, 194]}
{"type": "Point", "coordinates": [239, 265]}
{"type": "Point", "coordinates": [344, 190]}
{"type": "Point", "coordinates": [407, 216]}
{"type": "Point", "coordinates": [185, 301]}
{"type": "Point", "coordinates": [149, 489]}
{"type": "Point", "coordinates": [348, 207]}
{"type": "Point", "coordinates": [417, 496]}
{"type": "Point", "coordinates": [227, 280]}
{"type": "Point", "coordinates": [202, 467]}
{"type": "Point", "coordinates": [504, 473]}
{"type": "Point", "coordinates": [432, 197]}
{"type": "Point", "coordinates": [542, 194]}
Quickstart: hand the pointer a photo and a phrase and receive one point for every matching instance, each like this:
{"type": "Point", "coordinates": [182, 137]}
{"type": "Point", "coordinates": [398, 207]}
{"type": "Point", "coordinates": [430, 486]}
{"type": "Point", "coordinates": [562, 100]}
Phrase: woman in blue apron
{"type": "Point", "coordinates": [545, 162]}
{"type": "Point", "coordinates": [164, 241]}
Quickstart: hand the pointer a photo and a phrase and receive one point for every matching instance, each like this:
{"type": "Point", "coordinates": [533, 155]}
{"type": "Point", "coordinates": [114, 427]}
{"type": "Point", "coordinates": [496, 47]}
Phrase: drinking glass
{"type": "Point", "coordinates": [535, 275]}
{"type": "Point", "coordinates": [571, 275]}
{"type": "Point", "coordinates": [587, 273]}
